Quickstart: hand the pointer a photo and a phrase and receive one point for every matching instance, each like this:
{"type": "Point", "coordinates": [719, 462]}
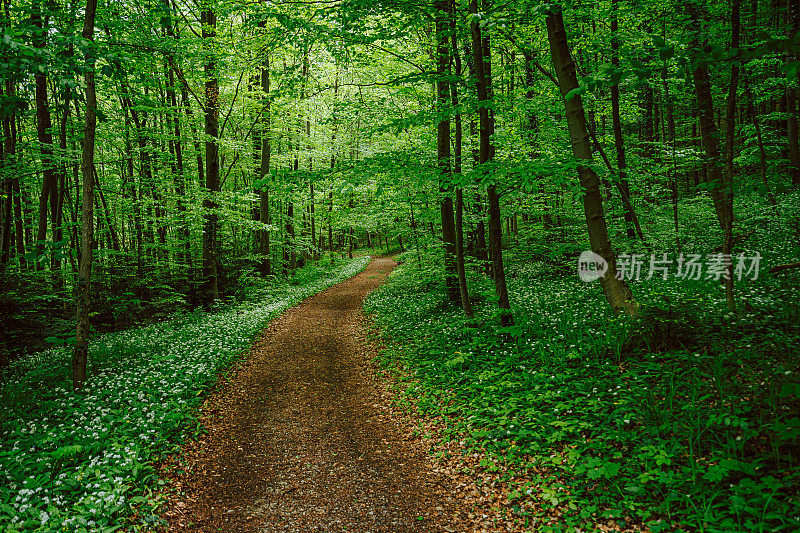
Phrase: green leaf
{"type": "Point", "coordinates": [66, 451]}
{"type": "Point", "coordinates": [575, 92]}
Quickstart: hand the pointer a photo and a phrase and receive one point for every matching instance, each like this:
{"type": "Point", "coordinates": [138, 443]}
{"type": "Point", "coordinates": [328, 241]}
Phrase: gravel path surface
{"type": "Point", "coordinates": [301, 437]}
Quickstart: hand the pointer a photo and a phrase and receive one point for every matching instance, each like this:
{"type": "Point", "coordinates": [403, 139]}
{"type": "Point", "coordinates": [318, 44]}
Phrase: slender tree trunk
{"type": "Point", "coordinates": [481, 52]}
{"type": "Point", "coordinates": [312, 219]}
{"type": "Point", "coordinates": [617, 125]}
{"type": "Point", "coordinates": [107, 214]}
{"type": "Point", "coordinates": [8, 190]}
{"type": "Point", "coordinates": [266, 151]}
{"type": "Point", "coordinates": [413, 229]}
{"type": "Point", "coordinates": [19, 231]}
{"type": "Point", "coordinates": [730, 131]}
{"type": "Point", "coordinates": [330, 220]}
{"type": "Point", "coordinates": [459, 214]}
{"type": "Point", "coordinates": [761, 151]}
{"type": "Point", "coordinates": [669, 111]}
{"type": "Point", "coordinates": [647, 127]}
{"type": "Point", "coordinates": [180, 177]}
{"type": "Point", "coordinates": [351, 239]}
{"type": "Point", "coordinates": [792, 100]}
{"type": "Point", "coordinates": [59, 192]}
{"type": "Point", "coordinates": [137, 215]}
{"type": "Point", "coordinates": [81, 355]}
{"type": "Point", "coordinates": [719, 174]}
{"type": "Point", "coordinates": [5, 252]}
{"type": "Point", "coordinates": [45, 137]}
{"type": "Point", "coordinates": [442, 9]}
{"type": "Point", "coordinates": [290, 244]}
{"type": "Point", "coordinates": [616, 290]}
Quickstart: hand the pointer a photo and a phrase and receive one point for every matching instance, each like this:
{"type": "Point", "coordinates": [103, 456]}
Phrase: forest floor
{"type": "Point", "coordinates": [302, 436]}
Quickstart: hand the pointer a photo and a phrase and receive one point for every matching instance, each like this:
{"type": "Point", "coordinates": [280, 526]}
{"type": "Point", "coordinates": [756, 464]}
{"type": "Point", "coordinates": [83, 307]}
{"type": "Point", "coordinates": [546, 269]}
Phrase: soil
{"type": "Point", "coordinates": [302, 436]}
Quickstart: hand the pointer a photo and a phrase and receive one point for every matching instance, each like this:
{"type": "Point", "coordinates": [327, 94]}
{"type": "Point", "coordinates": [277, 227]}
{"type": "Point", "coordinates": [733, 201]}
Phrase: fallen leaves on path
{"type": "Point", "coordinates": [302, 436]}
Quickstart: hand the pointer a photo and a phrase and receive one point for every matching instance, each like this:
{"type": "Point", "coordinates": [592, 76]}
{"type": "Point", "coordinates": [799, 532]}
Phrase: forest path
{"type": "Point", "coordinates": [300, 438]}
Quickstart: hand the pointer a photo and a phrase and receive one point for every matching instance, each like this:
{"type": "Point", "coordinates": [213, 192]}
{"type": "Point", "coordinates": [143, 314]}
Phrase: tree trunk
{"type": "Point", "coordinates": [481, 54]}
{"type": "Point", "coordinates": [617, 126]}
{"type": "Point", "coordinates": [312, 220]}
{"type": "Point", "coordinates": [330, 216]}
{"type": "Point", "coordinates": [289, 250]}
{"type": "Point", "coordinates": [180, 178]}
{"type": "Point", "coordinates": [45, 137]}
{"type": "Point", "coordinates": [266, 151]}
{"type": "Point", "coordinates": [351, 204]}
{"type": "Point", "coordinates": [793, 26]}
{"type": "Point", "coordinates": [673, 180]}
{"type": "Point", "coordinates": [647, 128]}
{"type": "Point", "coordinates": [81, 355]}
{"type": "Point", "coordinates": [730, 131]}
{"type": "Point", "coordinates": [442, 9]}
{"type": "Point", "coordinates": [759, 138]}
{"type": "Point", "coordinates": [719, 174]}
{"type": "Point", "coordinates": [210, 217]}
{"type": "Point", "coordinates": [616, 290]}
{"type": "Point", "coordinates": [459, 214]}
{"type": "Point", "coordinates": [5, 145]}
{"type": "Point", "coordinates": [59, 192]}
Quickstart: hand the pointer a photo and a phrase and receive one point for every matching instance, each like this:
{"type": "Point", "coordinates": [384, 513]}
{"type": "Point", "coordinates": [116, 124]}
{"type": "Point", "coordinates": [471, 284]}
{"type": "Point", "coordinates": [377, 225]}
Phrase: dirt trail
{"type": "Point", "coordinates": [300, 440]}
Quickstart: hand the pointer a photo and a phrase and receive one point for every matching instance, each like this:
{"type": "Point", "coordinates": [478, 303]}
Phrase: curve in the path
{"type": "Point", "coordinates": [298, 440]}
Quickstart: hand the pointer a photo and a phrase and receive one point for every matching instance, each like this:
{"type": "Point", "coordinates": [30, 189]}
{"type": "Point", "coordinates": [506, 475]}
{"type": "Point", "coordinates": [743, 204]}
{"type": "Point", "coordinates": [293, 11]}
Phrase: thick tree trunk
{"type": "Point", "coordinates": [210, 217]}
{"type": "Point", "coordinates": [481, 54]}
{"type": "Point", "coordinates": [616, 290]}
{"type": "Point", "coordinates": [81, 355]}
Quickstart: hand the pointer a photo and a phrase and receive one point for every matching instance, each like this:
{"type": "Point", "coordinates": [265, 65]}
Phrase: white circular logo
{"type": "Point", "coordinates": [591, 266]}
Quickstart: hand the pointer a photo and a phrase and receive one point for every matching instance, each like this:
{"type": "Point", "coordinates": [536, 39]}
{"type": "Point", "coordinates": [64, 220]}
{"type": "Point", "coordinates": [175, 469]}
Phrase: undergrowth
{"type": "Point", "coordinates": [83, 462]}
{"type": "Point", "coordinates": [685, 419]}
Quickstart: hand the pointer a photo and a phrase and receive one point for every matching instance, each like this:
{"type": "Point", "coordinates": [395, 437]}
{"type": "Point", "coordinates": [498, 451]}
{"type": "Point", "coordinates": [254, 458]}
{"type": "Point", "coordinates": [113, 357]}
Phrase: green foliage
{"type": "Point", "coordinates": [84, 462]}
{"type": "Point", "coordinates": [683, 419]}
